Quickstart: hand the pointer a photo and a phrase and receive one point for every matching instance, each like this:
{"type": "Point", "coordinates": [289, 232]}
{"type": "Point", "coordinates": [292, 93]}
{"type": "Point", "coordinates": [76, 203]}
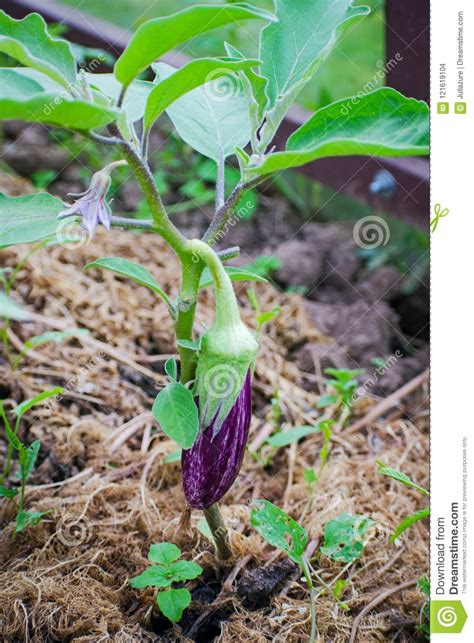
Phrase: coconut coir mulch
{"type": "Point", "coordinates": [102, 475]}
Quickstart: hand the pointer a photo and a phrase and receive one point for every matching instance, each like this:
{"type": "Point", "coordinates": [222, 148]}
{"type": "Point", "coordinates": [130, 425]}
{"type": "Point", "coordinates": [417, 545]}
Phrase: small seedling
{"type": "Point", "coordinates": [167, 570]}
{"type": "Point", "coordinates": [410, 520]}
{"type": "Point", "coordinates": [281, 531]}
{"type": "Point", "coordinates": [343, 383]}
{"type": "Point", "coordinates": [27, 456]}
{"type": "Point", "coordinates": [262, 317]}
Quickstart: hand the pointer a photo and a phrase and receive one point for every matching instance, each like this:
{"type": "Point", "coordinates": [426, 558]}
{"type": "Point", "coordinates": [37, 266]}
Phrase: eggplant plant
{"type": "Point", "coordinates": [229, 109]}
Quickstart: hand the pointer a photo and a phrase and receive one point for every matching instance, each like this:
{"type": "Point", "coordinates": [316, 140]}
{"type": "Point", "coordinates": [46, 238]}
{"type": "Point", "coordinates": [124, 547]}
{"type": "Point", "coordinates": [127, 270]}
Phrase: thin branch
{"type": "Point", "coordinates": [124, 222]}
{"type": "Point", "coordinates": [228, 253]}
{"type": "Point", "coordinates": [220, 183]}
{"type": "Point", "coordinates": [223, 213]}
{"type": "Point", "coordinates": [105, 140]}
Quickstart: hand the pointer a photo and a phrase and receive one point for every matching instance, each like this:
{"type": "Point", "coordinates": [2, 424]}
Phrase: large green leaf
{"type": "Point", "coordinates": [279, 529]}
{"type": "Point", "coordinates": [294, 47]}
{"type": "Point", "coordinates": [53, 109]}
{"type": "Point", "coordinates": [195, 73]}
{"type": "Point", "coordinates": [131, 270]}
{"type": "Point", "coordinates": [176, 411]}
{"type": "Point", "coordinates": [381, 123]}
{"type": "Point", "coordinates": [155, 37]}
{"type": "Point", "coordinates": [24, 219]}
{"type": "Point", "coordinates": [28, 42]}
{"type": "Point", "coordinates": [17, 86]}
{"type": "Point", "coordinates": [212, 123]}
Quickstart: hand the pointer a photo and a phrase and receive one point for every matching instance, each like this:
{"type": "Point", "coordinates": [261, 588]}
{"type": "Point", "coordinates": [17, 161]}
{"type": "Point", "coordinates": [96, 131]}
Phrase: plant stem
{"type": "Point", "coordinates": [219, 531]}
{"type": "Point", "coordinates": [163, 225]}
{"type": "Point", "coordinates": [223, 213]}
{"type": "Point", "coordinates": [125, 222]}
{"type": "Point", "coordinates": [312, 598]}
{"type": "Point", "coordinates": [191, 275]}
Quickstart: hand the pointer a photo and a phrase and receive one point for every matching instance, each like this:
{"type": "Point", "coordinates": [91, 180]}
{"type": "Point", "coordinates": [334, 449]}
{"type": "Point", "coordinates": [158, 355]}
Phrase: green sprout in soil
{"type": "Point", "coordinates": [344, 541]}
{"type": "Point", "coordinates": [167, 570]}
{"type": "Point", "coordinates": [26, 455]}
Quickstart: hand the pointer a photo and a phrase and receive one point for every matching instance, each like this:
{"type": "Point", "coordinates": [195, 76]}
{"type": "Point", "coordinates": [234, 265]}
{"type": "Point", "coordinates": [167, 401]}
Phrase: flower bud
{"type": "Point", "coordinates": [212, 464]}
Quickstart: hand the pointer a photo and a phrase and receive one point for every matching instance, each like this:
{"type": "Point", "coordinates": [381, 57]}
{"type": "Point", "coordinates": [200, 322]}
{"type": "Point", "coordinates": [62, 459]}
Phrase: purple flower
{"type": "Point", "coordinates": [92, 206]}
{"type": "Point", "coordinates": [211, 466]}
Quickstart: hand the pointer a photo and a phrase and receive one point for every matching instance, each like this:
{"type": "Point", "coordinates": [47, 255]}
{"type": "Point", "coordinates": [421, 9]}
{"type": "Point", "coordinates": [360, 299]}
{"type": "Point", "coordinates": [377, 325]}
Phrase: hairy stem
{"type": "Point", "coordinates": [223, 214]}
{"type": "Point", "coordinates": [191, 275]}
{"type": "Point", "coordinates": [218, 529]}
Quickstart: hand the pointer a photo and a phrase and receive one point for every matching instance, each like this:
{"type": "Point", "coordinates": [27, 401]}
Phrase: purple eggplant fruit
{"type": "Point", "coordinates": [211, 466]}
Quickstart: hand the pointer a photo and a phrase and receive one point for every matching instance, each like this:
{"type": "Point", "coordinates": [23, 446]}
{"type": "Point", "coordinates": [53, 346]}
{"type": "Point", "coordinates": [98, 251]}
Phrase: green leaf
{"type": "Point", "coordinates": [380, 123]}
{"type": "Point", "coordinates": [156, 37]}
{"type": "Point", "coordinates": [296, 434]}
{"type": "Point", "coordinates": [192, 346]}
{"type": "Point", "coordinates": [29, 42]}
{"type": "Point", "coordinates": [409, 521]}
{"type": "Point", "coordinates": [15, 85]}
{"type": "Point", "coordinates": [28, 459]}
{"type": "Point", "coordinates": [171, 369]}
{"type": "Point", "coordinates": [54, 109]}
{"type": "Point", "coordinates": [174, 456]}
{"type": "Point", "coordinates": [153, 576]}
{"type": "Point", "coordinates": [326, 400]}
{"type": "Point", "coordinates": [212, 123]}
{"type": "Point", "coordinates": [26, 519]}
{"type": "Point", "coordinates": [310, 476]}
{"type": "Point", "coordinates": [164, 553]}
{"type": "Point", "coordinates": [399, 476]}
{"type": "Point", "coordinates": [192, 75]}
{"type": "Point", "coordinates": [10, 310]}
{"type": "Point", "coordinates": [235, 274]}
{"type": "Point", "coordinates": [173, 602]}
{"type": "Point", "coordinates": [25, 406]}
{"type": "Point", "coordinates": [177, 414]}
{"type": "Point", "coordinates": [279, 529]}
{"type": "Point", "coordinates": [255, 87]}
{"type": "Point", "coordinates": [268, 316]}
{"type": "Point", "coordinates": [293, 48]}
{"type": "Point", "coordinates": [344, 537]}
{"type": "Point", "coordinates": [135, 99]}
{"type": "Point", "coordinates": [131, 270]}
{"type": "Point", "coordinates": [184, 570]}
{"type": "Point", "coordinates": [5, 492]}
{"type": "Point", "coordinates": [29, 218]}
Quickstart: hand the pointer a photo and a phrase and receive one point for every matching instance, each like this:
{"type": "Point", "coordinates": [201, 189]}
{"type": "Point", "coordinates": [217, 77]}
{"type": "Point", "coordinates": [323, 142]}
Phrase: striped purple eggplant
{"type": "Point", "coordinates": [211, 466]}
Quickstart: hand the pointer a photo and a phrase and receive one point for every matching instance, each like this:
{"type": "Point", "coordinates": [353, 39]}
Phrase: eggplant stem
{"type": "Point", "coordinates": [219, 532]}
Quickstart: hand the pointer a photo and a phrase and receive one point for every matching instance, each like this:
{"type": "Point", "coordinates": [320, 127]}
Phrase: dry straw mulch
{"type": "Point", "coordinates": [102, 474]}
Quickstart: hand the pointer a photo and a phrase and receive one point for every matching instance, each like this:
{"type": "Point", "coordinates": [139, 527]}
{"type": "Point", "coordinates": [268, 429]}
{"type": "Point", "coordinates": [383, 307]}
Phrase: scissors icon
{"type": "Point", "coordinates": [439, 214]}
